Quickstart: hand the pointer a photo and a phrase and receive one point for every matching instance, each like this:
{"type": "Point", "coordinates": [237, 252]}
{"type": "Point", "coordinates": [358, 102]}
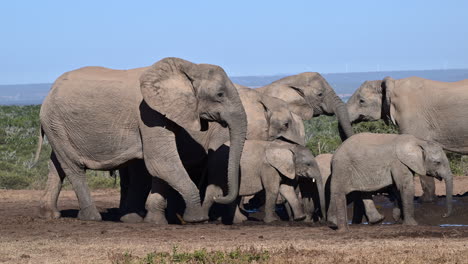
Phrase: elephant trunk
{"type": "Point", "coordinates": [341, 111]}
{"type": "Point", "coordinates": [237, 124]}
{"type": "Point", "coordinates": [321, 192]}
{"type": "Point", "coordinates": [448, 193]}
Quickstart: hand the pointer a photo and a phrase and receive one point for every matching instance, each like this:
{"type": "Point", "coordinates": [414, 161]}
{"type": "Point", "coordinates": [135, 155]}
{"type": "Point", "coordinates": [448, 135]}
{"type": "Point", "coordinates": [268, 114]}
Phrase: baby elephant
{"type": "Point", "coordinates": [368, 162]}
{"type": "Point", "coordinates": [271, 165]}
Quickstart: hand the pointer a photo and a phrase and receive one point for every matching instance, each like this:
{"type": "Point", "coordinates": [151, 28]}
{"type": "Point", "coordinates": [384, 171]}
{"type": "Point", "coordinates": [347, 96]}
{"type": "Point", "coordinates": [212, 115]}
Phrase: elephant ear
{"type": "Point", "coordinates": [298, 128]}
{"type": "Point", "coordinates": [410, 153]}
{"type": "Point", "coordinates": [282, 159]}
{"type": "Point", "coordinates": [388, 109]}
{"type": "Point", "coordinates": [167, 88]}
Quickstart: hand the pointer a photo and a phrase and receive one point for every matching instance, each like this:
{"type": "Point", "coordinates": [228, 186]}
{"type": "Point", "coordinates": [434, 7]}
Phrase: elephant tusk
{"type": "Point", "coordinates": [313, 180]}
{"type": "Point", "coordinates": [181, 219]}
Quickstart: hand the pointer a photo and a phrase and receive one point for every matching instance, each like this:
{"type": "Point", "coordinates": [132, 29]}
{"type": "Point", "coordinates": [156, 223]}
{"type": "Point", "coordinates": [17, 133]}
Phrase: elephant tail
{"type": "Point", "coordinates": [39, 147]}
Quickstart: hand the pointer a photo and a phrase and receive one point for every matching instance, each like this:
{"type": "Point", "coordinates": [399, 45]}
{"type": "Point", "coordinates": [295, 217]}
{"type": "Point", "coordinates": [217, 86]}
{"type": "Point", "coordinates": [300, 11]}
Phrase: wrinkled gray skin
{"type": "Point", "coordinates": [271, 165]}
{"type": "Point", "coordinates": [308, 94]}
{"type": "Point", "coordinates": [368, 162]}
{"type": "Point", "coordinates": [268, 118]}
{"type": "Point", "coordinates": [102, 119]}
{"type": "Point", "coordinates": [429, 110]}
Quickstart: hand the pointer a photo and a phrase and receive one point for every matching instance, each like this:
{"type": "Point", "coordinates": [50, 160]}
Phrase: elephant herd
{"type": "Point", "coordinates": [179, 132]}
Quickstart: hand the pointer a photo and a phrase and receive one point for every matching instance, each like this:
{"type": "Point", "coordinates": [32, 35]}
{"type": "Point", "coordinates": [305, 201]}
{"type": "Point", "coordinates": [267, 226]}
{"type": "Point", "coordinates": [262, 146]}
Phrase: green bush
{"type": "Point", "coordinates": [19, 132]}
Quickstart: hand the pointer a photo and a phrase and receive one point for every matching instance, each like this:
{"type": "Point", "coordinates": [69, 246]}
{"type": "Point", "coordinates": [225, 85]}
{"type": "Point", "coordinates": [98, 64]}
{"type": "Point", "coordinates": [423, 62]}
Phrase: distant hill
{"type": "Point", "coordinates": [23, 94]}
{"type": "Point", "coordinates": [344, 83]}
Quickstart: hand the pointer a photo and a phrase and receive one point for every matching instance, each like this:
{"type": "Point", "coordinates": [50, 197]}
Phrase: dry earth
{"type": "Point", "coordinates": [24, 238]}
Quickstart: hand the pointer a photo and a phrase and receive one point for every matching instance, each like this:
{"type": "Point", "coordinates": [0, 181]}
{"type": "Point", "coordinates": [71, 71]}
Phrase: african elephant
{"type": "Point", "coordinates": [311, 202]}
{"type": "Point", "coordinates": [368, 162]}
{"type": "Point", "coordinates": [102, 119]}
{"type": "Point", "coordinates": [308, 94]}
{"type": "Point", "coordinates": [429, 110]}
{"type": "Point", "coordinates": [271, 165]}
{"type": "Point", "coordinates": [268, 118]}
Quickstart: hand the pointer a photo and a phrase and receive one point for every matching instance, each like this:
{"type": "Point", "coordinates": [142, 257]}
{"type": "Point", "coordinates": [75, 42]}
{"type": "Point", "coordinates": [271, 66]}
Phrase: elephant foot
{"type": "Point", "coordinates": [195, 215]}
{"type": "Point", "coordinates": [308, 219]}
{"type": "Point", "coordinates": [157, 218]}
{"type": "Point", "coordinates": [342, 229]}
{"type": "Point", "coordinates": [47, 213]}
{"type": "Point", "coordinates": [396, 213]}
{"type": "Point", "coordinates": [239, 218]}
{"type": "Point", "coordinates": [377, 220]}
{"type": "Point", "coordinates": [410, 222]}
{"type": "Point", "coordinates": [300, 218]}
{"type": "Point", "coordinates": [270, 218]}
{"type": "Point", "coordinates": [131, 218]}
{"type": "Point", "coordinates": [332, 220]}
{"type": "Point", "coordinates": [89, 213]}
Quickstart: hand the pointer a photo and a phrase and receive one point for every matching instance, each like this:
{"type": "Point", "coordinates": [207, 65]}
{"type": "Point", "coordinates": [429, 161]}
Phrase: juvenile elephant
{"type": "Point", "coordinates": [102, 119]}
{"type": "Point", "coordinates": [311, 202]}
{"type": "Point", "coordinates": [309, 189]}
{"type": "Point", "coordinates": [429, 110]}
{"type": "Point", "coordinates": [368, 162]}
{"type": "Point", "coordinates": [268, 118]}
{"type": "Point", "coordinates": [308, 94]}
{"type": "Point", "coordinates": [271, 165]}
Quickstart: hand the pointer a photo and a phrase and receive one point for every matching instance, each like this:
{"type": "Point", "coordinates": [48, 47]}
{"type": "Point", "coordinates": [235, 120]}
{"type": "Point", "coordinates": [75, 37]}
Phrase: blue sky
{"type": "Point", "coordinates": [42, 39]}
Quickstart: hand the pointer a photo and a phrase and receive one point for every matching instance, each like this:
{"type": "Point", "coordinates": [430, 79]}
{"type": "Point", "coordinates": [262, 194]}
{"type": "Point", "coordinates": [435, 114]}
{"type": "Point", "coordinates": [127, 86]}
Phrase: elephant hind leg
{"type": "Point", "coordinates": [48, 203]}
{"type": "Point", "coordinates": [77, 177]}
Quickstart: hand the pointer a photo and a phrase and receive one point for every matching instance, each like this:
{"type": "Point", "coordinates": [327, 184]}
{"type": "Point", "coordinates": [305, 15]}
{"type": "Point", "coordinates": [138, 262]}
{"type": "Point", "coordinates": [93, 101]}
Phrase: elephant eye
{"type": "Point", "coordinates": [286, 125]}
{"type": "Point", "coordinates": [220, 94]}
{"type": "Point", "coordinates": [361, 101]}
{"type": "Point", "coordinates": [320, 94]}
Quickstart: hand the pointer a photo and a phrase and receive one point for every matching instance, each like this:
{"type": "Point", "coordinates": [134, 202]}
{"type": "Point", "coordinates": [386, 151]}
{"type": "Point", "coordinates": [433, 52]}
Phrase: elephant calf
{"type": "Point", "coordinates": [271, 165]}
{"type": "Point", "coordinates": [311, 202]}
{"type": "Point", "coordinates": [368, 162]}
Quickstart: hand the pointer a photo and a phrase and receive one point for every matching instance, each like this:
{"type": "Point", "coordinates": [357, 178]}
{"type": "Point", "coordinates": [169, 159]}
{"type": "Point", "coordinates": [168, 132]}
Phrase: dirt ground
{"type": "Point", "coordinates": [24, 238]}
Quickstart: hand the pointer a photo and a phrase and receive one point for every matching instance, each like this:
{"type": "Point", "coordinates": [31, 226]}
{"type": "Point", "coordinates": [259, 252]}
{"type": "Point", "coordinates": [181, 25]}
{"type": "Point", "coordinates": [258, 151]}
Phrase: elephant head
{"type": "Point", "coordinates": [307, 166]}
{"type": "Point", "coordinates": [269, 118]}
{"type": "Point", "coordinates": [282, 123]}
{"type": "Point", "coordinates": [371, 101]}
{"type": "Point", "coordinates": [427, 158]}
{"type": "Point", "coordinates": [309, 94]}
{"type": "Point", "coordinates": [297, 161]}
{"type": "Point", "coordinates": [191, 95]}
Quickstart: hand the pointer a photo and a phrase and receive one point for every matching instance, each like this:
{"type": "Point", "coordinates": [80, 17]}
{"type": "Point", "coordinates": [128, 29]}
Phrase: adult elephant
{"type": "Point", "coordinates": [308, 94]}
{"type": "Point", "coordinates": [268, 118]}
{"type": "Point", "coordinates": [101, 119]}
{"type": "Point", "coordinates": [429, 110]}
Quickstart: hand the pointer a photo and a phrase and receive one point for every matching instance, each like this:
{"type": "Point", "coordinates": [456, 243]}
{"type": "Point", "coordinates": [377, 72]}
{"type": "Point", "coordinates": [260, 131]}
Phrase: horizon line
{"type": "Point", "coordinates": [286, 74]}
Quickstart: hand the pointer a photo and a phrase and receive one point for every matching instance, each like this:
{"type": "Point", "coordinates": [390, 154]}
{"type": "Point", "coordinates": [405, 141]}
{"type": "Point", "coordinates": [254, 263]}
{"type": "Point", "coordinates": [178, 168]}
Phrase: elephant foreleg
{"type": "Point", "coordinates": [162, 160]}
{"type": "Point", "coordinates": [48, 203]}
{"type": "Point", "coordinates": [403, 179]}
{"type": "Point", "coordinates": [239, 217]}
{"type": "Point", "coordinates": [373, 215]}
{"type": "Point", "coordinates": [211, 192]}
{"type": "Point", "coordinates": [428, 187]}
{"type": "Point", "coordinates": [289, 193]}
